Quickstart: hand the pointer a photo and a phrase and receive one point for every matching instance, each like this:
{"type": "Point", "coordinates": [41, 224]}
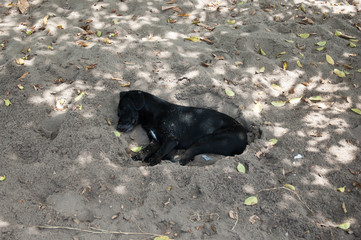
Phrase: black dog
{"type": "Point", "coordinates": [171, 126]}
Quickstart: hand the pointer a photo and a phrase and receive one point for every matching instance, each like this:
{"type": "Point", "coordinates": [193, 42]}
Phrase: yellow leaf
{"type": "Point", "coordinates": [276, 87]}
{"type": "Point", "coordinates": [262, 70]}
{"type": "Point", "coordinates": [273, 141]}
{"type": "Point", "coordinates": [295, 100]}
{"type": "Point", "coordinates": [304, 35]}
{"type": "Point", "coordinates": [285, 65]}
{"type": "Point", "coordinates": [339, 73]}
{"type": "Point", "coordinates": [117, 134]}
{"type": "Point", "coordinates": [229, 92]}
{"type": "Point", "coordinates": [231, 21]}
{"type": "Point", "coordinates": [329, 59]}
{"type": "Point", "coordinates": [290, 186]}
{"type": "Point", "coordinates": [299, 64]}
{"type": "Point", "coordinates": [193, 39]}
{"type": "Point", "coordinates": [341, 189]}
{"type": "Point", "coordinates": [258, 108]}
{"type": "Point", "coordinates": [7, 102]}
{"type": "Point", "coordinates": [358, 111]}
{"type": "Point", "coordinates": [322, 43]}
{"type": "Point", "coordinates": [20, 61]}
{"type": "Point", "coordinates": [262, 52]}
{"type": "Point", "coordinates": [316, 98]}
{"type": "Point", "coordinates": [45, 20]}
{"type": "Point", "coordinates": [20, 87]}
{"type": "Point", "coordinates": [2, 178]}
{"type": "Point", "coordinates": [136, 149]}
{"type": "Point", "coordinates": [251, 201]}
{"type": "Point", "coordinates": [278, 103]}
{"type": "Point", "coordinates": [344, 226]}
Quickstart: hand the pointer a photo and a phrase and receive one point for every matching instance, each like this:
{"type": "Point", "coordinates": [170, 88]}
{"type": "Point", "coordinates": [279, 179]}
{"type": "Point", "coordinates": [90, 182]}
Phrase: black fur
{"type": "Point", "coordinates": [170, 126]}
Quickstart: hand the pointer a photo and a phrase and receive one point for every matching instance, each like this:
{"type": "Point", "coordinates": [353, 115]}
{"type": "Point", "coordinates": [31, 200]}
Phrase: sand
{"type": "Point", "coordinates": [63, 64]}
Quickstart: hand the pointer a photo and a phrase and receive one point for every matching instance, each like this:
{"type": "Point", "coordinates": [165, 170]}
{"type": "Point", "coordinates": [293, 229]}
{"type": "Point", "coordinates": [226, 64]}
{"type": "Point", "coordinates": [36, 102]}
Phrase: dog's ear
{"type": "Point", "coordinates": [138, 99]}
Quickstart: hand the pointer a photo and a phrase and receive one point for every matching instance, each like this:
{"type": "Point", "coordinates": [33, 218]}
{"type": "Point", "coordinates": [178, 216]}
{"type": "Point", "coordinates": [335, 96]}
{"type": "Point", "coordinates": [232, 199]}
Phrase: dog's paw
{"type": "Point", "coordinates": [153, 161]}
{"type": "Point", "coordinates": [184, 161]}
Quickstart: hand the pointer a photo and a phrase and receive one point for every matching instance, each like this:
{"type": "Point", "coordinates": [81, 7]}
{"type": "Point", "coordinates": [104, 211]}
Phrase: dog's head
{"type": "Point", "coordinates": [130, 104]}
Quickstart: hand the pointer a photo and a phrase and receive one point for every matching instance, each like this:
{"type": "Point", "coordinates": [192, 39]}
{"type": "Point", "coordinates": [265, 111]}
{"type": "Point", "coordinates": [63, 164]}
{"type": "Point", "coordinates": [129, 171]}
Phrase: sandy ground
{"type": "Point", "coordinates": [63, 64]}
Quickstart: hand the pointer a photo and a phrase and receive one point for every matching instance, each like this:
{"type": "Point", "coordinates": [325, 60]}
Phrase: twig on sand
{"type": "Point", "coordinates": [99, 231]}
{"type": "Point", "coordinates": [298, 196]}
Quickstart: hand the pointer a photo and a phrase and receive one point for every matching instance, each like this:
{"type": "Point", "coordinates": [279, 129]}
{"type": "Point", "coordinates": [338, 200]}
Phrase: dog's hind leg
{"type": "Point", "coordinates": [224, 143]}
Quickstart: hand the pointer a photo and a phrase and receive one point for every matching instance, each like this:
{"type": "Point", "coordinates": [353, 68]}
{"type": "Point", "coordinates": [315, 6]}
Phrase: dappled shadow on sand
{"type": "Point", "coordinates": [69, 168]}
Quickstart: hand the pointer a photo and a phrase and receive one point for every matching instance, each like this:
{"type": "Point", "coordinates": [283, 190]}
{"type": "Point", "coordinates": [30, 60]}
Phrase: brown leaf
{"type": "Point", "coordinates": [355, 172]}
{"type": "Point", "coordinates": [59, 80]}
{"type": "Point", "coordinates": [23, 6]}
{"type": "Point", "coordinates": [214, 229]}
{"type": "Point", "coordinates": [205, 64]}
{"type": "Point", "coordinates": [306, 84]}
{"type": "Point", "coordinates": [232, 214]}
{"type": "Point", "coordinates": [24, 75]}
{"type": "Point", "coordinates": [174, 8]}
{"type": "Point", "coordinates": [171, 2]}
{"type": "Point", "coordinates": [253, 219]}
{"type": "Point", "coordinates": [356, 184]}
{"type": "Point", "coordinates": [344, 207]}
{"type": "Point", "coordinates": [204, 39]}
{"type": "Point", "coordinates": [206, 26]}
{"type": "Point", "coordinates": [115, 216]}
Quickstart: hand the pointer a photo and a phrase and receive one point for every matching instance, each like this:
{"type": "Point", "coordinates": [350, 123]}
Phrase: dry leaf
{"type": "Point", "coordinates": [24, 75]}
{"type": "Point", "coordinates": [206, 40]}
{"type": "Point", "coordinates": [232, 214]}
{"type": "Point", "coordinates": [23, 6]}
{"type": "Point", "coordinates": [174, 8]}
{"type": "Point", "coordinates": [253, 219]}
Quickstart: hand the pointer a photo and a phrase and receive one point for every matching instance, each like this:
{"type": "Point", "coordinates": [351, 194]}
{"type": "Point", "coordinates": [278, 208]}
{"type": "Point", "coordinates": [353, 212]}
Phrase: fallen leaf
{"type": "Point", "coordinates": [262, 70]}
{"type": "Point", "coordinates": [329, 59]}
{"type": "Point", "coordinates": [251, 201]}
{"type": "Point", "coordinates": [342, 35]}
{"type": "Point", "coordinates": [184, 15]}
{"type": "Point", "coordinates": [193, 39]}
{"type": "Point", "coordinates": [20, 87]}
{"type": "Point", "coordinates": [344, 226]}
{"type": "Point", "coordinates": [339, 73]}
{"type": "Point", "coordinates": [322, 43]}
{"type": "Point", "coordinates": [20, 61]}
{"type": "Point", "coordinates": [305, 84]}
{"type": "Point", "coordinates": [276, 87]}
{"type": "Point", "coordinates": [174, 8]}
{"type": "Point", "coordinates": [7, 102]}
{"type": "Point", "coordinates": [99, 33]}
{"type": "Point", "coordinates": [117, 134]}
{"type": "Point", "coordinates": [162, 238]}
{"type": "Point", "coordinates": [278, 103]}
{"type": "Point", "coordinates": [253, 219]}
{"type": "Point", "coordinates": [344, 207]}
{"type": "Point", "coordinates": [60, 27]}
{"type": "Point", "coordinates": [258, 108]}
{"type": "Point", "coordinates": [320, 48]}
{"type": "Point", "coordinates": [231, 21]}
{"type": "Point", "coordinates": [229, 92]}
{"type": "Point", "coordinates": [299, 64]}
{"type": "Point", "coordinates": [358, 111]}
{"type": "Point", "coordinates": [341, 189]}
{"type": "Point", "coordinates": [136, 149]}
{"type": "Point", "coordinates": [289, 41]}
{"type": "Point", "coordinates": [295, 100]}
{"type": "Point", "coordinates": [23, 6]}
{"type": "Point", "coordinates": [290, 186]}
{"type": "Point", "coordinates": [77, 98]}
{"type": "Point", "coordinates": [207, 40]}
{"type": "Point", "coordinates": [45, 20]}
{"type": "Point", "coordinates": [24, 75]}
{"type": "Point", "coordinates": [352, 45]}
{"type": "Point", "coordinates": [262, 52]}
{"type": "Point", "coordinates": [285, 65]}
{"type": "Point", "coordinates": [231, 214]}
{"type": "Point", "coordinates": [316, 98]}
{"type": "Point", "coordinates": [2, 178]}
{"type": "Point", "coordinates": [107, 41]}
{"type": "Point", "coordinates": [241, 168]}
{"type": "Point", "coordinates": [273, 141]}
{"type": "Point", "coordinates": [304, 35]}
